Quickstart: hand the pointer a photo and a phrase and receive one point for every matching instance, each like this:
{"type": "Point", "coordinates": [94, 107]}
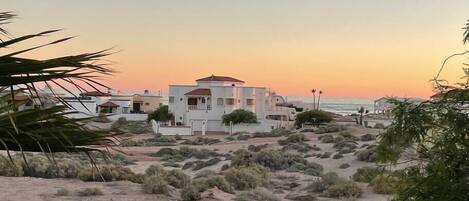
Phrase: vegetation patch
{"type": "Point", "coordinates": [155, 185]}
{"type": "Point", "coordinates": [90, 192]}
{"type": "Point", "coordinates": [367, 174]}
{"type": "Point", "coordinates": [201, 141]}
{"type": "Point", "coordinates": [242, 178]}
{"type": "Point", "coordinates": [258, 194]}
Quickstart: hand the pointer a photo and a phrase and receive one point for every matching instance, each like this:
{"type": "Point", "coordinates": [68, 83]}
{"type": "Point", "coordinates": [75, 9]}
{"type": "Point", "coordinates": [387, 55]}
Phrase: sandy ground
{"type": "Point", "coordinates": [25, 188]}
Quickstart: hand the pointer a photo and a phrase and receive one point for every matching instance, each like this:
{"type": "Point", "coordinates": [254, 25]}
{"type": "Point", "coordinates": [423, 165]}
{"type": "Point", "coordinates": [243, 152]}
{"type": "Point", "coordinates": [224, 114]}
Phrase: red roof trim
{"type": "Point", "coordinates": [219, 78]}
{"type": "Point", "coordinates": [199, 92]}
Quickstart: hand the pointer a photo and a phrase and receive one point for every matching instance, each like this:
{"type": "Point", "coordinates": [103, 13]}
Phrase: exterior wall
{"type": "Point", "coordinates": [149, 103]}
{"type": "Point", "coordinates": [178, 104]}
{"type": "Point", "coordinates": [88, 110]}
{"type": "Point", "coordinates": [171, 130]}
{"type": "Point", "coordinates": [129, 117]}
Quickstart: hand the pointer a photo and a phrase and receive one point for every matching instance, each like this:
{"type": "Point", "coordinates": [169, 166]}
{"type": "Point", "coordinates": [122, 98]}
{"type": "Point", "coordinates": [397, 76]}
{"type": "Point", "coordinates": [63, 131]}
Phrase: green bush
{"type": "Point", "coordinates": [367, 155]}
{"type": "Point", "coordinates": [204, 183]}
{"type": "Point", "coordinates": [344, 189]}
{"type": "Point", "coordinates": [90, 192]}
{"type": "Point", "coordinates": [385, 184]}
{"type": "Point", "coordinates": [317, 186]}
{"type": "Point", "coordinates": [296, 138]}
{"type": "Point", "coordinates": [239, 116]}
{"type": "Point", "coordinates": [201, 141]}
{"type": "Point", "coordinates": [276, 159]}
{"type": "Point", "coordinates": [243, 137]}
{"type": "Point", "coordinates": [257, 148]}
{"type": "Point", "coordinates": [108, 172]}
{"type": "Point", "coordinates": [155, 170]}
{"type": "Point", "coordinates": [366, 174]}
{"type": "Point", "coordinates": [161, 114]}
{"type": "Point", "coordinates": [326, 155]}
{"type": "Point", "coordinates": [242, 178]}
{"type": "Point", "coordinates": [337, 156]}
{"type": "Point", "coordinates": [177, 178]}
{"type": "Point", "coordinates": [330, 128]}
{"type": "Point", "coordinates": [242, 157]}
{"type": "Point", "coordinates": [155, 185]}
{"type": "Point", "coordinates": [190, 193]}
{"type": "Point", "coordinates": [10, 168]}
{"type": "Point", "coordinates": [300, 147]}
{"type": "Point", "coordinates": [202, 164]}
{"type": "Point", "coordinates": [314, 117]}
{"type": "Point", "coordinates": [258, 194]}
{"type": "Point", "coordinates": [351, 145]}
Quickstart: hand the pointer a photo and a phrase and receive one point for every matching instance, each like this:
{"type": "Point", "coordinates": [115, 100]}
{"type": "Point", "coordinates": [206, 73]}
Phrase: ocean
{"type": "Point", "coordinates": [342, 106]}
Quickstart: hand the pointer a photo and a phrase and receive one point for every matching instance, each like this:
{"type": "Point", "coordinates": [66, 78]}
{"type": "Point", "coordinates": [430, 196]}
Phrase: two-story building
{"type": "Point", "coordinates": [211, 98]}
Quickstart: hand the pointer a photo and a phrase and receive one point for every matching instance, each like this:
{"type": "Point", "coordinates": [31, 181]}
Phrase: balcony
{"type": "Point", "coordinates": [199, 107]}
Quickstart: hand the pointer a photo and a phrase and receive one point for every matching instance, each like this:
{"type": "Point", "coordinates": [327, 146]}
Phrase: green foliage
{"type": "Point", "coordinates": [326, 138]}
{"type": "Point", "coordinates": [90, 192]}
{"type": "Point", "coordinates": [161, 114]}
{"type": "Point", "coordinates": [368, 155]}
{"type": "Point", "coordinates": [201, 141]}
{"type": "Point", "coordinates": [344, 166]}
{"type": "Point", "coordinates": [385, 184]}
{"type": "Point", "coordinates": [344, 189]}
{"type": "Point", "coordinates": [190, 193]}
{"type": "Point", "coordinates": [155, 185]}
{"type": "Point", "coordinates": [258, 194]}
{"type": "Point", "coordinates": [202, 164]}
{"type": "Point", "coordinates": [210, 181]}
{"type": "Point", "coordinates": [330, 128]}
{"type": "Point", "coordinates": [242, 178]}
{"type": "Point", "coordinates": [367, 137]}
{"type": "Point", "coordinates": [366, 174]}
{"type": "Point", "coordinates": [10, 168]}
{"type": "Point", "coordinates": [314, 117]}
{"type": "Point", "coordinates": [239, 116]}
{"type": "Point", "coordinates": [177, 178]}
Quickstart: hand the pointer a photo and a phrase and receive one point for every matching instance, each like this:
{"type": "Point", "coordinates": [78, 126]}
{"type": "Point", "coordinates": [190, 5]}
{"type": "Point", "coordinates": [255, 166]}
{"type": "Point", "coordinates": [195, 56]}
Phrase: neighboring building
{"type": "Point", "coordinates": [141, 103]}
{"type": "Point", "coordinates": [383, 105]}
{"type": "Point", "coordinates": [88, 104]}
{"type": "Point", "coordinates": [211, 98]}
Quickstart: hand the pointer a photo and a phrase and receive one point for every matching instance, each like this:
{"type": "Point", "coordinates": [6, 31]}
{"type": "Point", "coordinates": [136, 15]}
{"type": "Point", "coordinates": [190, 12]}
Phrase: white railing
{"type": "Point", "coordinates": [199, 107]}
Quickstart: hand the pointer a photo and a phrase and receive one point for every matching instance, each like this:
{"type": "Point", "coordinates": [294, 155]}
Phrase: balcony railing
{"type": "Point", "coordinates": [199, 107]}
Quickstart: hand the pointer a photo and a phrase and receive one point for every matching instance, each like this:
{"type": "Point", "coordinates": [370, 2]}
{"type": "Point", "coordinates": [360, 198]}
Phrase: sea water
{"type": "Point", "coordinates": [342, 106]}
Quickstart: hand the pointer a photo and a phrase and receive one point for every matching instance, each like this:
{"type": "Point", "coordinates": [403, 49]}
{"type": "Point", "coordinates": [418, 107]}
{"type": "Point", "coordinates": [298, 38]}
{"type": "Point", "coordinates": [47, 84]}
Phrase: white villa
{"type": "Point", "coordinates": [206, 102]}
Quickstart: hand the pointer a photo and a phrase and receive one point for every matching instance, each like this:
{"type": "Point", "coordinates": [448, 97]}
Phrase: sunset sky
{"type": "Point", "coordinates": [348, 48]}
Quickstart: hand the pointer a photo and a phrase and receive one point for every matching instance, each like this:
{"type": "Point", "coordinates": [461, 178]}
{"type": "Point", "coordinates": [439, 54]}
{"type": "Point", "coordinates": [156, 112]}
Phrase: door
{"type": "Point", "coordinates": [136, 107]}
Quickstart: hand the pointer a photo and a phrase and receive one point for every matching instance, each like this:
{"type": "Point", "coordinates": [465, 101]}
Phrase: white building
{"type": "Point", "coordinates": [211, 98]}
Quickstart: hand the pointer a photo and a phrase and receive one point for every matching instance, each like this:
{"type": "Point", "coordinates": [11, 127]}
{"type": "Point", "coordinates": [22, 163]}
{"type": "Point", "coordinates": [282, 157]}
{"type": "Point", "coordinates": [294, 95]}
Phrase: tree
{"type": "Point", "coordinates": [361, 112]}
{"type": "Point", "coordinates": [314, 117]}
{"type": "Point", "coordinates": [239, 116]}
{"type": "Point", "coordinates": [45, 129]}
{"type": "Point", "coordinates": [161, 114]}
{"type": "Point", "coordinates": [438, 130]}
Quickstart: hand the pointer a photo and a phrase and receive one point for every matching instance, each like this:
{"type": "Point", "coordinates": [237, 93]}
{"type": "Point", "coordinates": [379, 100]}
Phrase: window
{"type": "Point", "coordinates": [219, 101]}
{"type": "Point", "coordinates": [171, 99]}
{"type": "Point", "coordinates": [230, 101]}
{"type": "Point", "coordinates": [250, 101]}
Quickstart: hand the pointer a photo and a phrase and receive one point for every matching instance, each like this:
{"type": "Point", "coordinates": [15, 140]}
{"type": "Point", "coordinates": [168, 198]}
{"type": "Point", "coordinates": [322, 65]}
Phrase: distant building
{"type": "Point", "coordinates": [383, 105]}
{"type": "Point", "coordinates": [212, 97]}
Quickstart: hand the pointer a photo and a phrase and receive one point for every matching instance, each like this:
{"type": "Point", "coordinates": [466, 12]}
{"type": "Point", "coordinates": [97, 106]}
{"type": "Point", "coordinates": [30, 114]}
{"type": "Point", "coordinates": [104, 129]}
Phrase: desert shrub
{"type": "Point", "coordinates": [243, 137]}
{"type": "Point", "coordinates": [326, 155]}
{"type": "Point", "coordinates": [317, 186]}
{"type": "Point", "coordinates": [171, 164]}
{"type": "Point", "coordinates": [300, 147]}
{"type": "Point", "coordinates": [178, 137]}
{"type": "Point", "coordinates": [379, 126]}
{"type": "Point", "coordinates": [10, 168]}
{"type": "Point", "coordinates": [345, 144]}
{"type": "Point", "coordinates": [367, 137]}
{"type": "Point", "coordinates": [257, 148]}
{"type": "Point", "coordinates": [344, 189]}
{"type": "Point", "coordinates": [367, 155]}
{"type": "Point", "coordinates": [201, 141]}
{"type": "Point", "coordinates": [276, 159]}
{"type": "Point", "coordinates": [384, 184]}
{"type": "Point", "coordinates": [330, 128]}
{"type": "Point", "coordinates": [344, 166]}
{"type": "Point", "coordinates": [155, 170]}
{"type": "Point", "coordinates": [337, 156]}
{"type": "Point", "coordinates": [90, 192]}
{"type": "Point", "coordinates": [62, 192]}
{"type": "Point", "coordinates": [155, 185]}
{"type": "Point", "coordinates": [160, 140]}
{"type": "Point", "coordinates": [346, 150]}
{"type": "Point", "coordinates": [282, 142]}
{"type": "Point", "coordinates": [242, 157]}
{"type": "Point", "coordinates": [296, 138]}
{"type": "Point", "coordinates": [190, 193]}
{"type": "Point", "coordinates": [277, 132]}
{"type": "Point", "coordinates": [242, 178]}
{"type": "Point", "coordinates": [239, 116]}
{"type": "Point", "coordinates": [218, 181]}
{"type": "Point", "coordinates": [338, 139]}
{"type": "Point", "coordinates": [131, 143]}
{"type": "Point", "coordinates": [258, 194]}
{"type": "Point", "coordinates": [187, 165]}
{"type": "Point", "coordinates": [326, 139]}
{"type": "Point", "coordinates": [177, 178]}
{"type": "Point", "coordinates": [313, 168]}
{"type": "Point", "coordinates": [366, 174]}
{"type": "Point", "coordinates": [107, 172]}
{"type": "Point", "coordinates": [204, 154]}
{"type": "Point", "coordinates": [225, 167]}
{"type": "Point", "coordinates": [136, 127]}
{"type": "Point", "coordinates": [205, 174]}
{"type": "Point", "coordinates": [202, 164]}
{"type": "Point", "coordinates": [314, 117]}
{"type": "Point", "coordinates": [229, 138]}
{"type": "Point", "coordinates": [161, 114]}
